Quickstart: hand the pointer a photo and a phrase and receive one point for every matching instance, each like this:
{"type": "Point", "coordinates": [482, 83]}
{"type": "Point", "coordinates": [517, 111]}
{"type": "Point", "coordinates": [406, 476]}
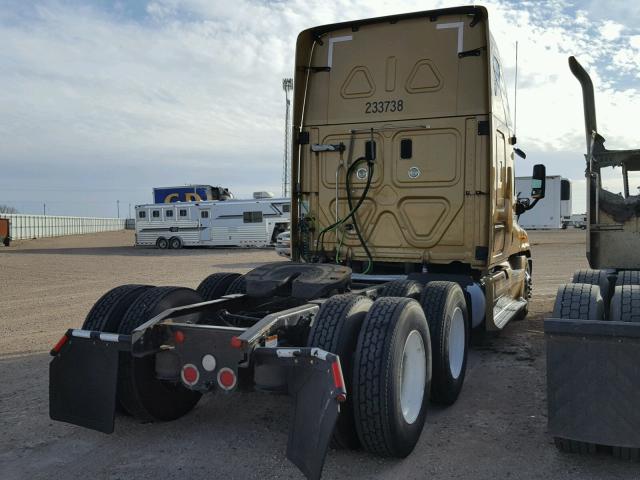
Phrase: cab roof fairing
{"type": "Point", "coordinates": [307, 38]}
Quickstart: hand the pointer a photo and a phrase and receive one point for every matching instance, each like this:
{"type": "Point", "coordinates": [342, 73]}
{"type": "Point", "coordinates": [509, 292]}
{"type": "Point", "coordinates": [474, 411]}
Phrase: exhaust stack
{"type": "Point", "coordinates": [588, 98]}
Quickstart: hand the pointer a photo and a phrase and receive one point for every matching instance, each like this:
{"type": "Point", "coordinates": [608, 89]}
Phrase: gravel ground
{"type": "Point", "coordinates": [497, 429]}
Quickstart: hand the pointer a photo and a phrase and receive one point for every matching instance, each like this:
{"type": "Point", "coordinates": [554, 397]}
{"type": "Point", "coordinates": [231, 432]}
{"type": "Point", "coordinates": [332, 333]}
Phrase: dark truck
{"type": "Point", "coordinates": [593, 336]}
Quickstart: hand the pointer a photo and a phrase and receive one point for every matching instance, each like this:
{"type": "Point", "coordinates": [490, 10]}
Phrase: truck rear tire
{"type": "Point", "coordinates": [139, 391]}
{"type": "Point", "coordinates": [392, 377]}
{"type": "Point", "coordinates": [402, 288]}
{"type": "Point", "coordinates": [594, 277]}
{"type": "Point", "coordinates": [175, 243]}
{"type": "Point", "coordinates": [625, 304]}
{"type": "Point", "coordinates": [579, 301]}
{"type": "Point", "coordinates": [625, 453]}
{"type": "Point", "coordinates": [445, 307]}
{"type": "Point", "coordinates": [162, 243]}
{"type": "Point", "coordinates": [216, 285]}
{"type": "Point", "coordinates": [239, 285]}
{"type": "Point", "coordinates": [335, 329]}
{"type": "Point", "coordinates": [628, 277]}
{"type": "Point", "coordinates": [107, 312]}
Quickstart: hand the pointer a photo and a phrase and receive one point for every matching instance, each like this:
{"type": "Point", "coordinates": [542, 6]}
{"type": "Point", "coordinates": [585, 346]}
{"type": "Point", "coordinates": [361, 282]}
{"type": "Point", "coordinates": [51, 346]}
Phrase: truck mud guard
{"type": "Point", "coordinates": [316, 383]}
{"type": "Point", "coordinates": [83, 376]}
{"type": "Point", "coordinates": [83, 379]}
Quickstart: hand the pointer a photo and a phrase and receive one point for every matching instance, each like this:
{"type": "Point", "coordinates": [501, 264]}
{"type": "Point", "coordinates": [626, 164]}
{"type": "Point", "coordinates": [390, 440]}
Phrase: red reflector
{"type": "Point", "coordinates": [58, 346]}
{"type": "Point", "coordinates": [236, 342]}
{"type": "Point", "coordinates": [226, 378]}
{"type": "Point", "coordinates": [190, 374]}
{"type": "Point", "coordinates": [178, 336]}
{"type": "Point", "coordinates": [338, 380]}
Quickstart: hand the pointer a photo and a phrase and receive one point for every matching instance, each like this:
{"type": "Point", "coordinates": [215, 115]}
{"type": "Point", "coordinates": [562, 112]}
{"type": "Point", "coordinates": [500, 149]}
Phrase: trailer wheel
{"type": "Point", "coordinates": [392, 376]}
{"type": "Point", "coordinates": [239, 285]}
{"type": "Point", "coordinates": [445, 307]}
{"type": "Point", "coordinates": [107, 312]}
{"type": "Point", "coordinates": [139, 391]}
{"type": "Point", "coordinates": [628, 277]}
{"type": "Point", "coordinates": [579, 301]}
{"type": "Point", "coordinates": [162, 243]}
{"type": "Point", "coordinates": [402, 288]}
{"type": "Point", "coordinates": [335, 329]}
{"type": "Point", "coordinates": [625, 304]}
{"type": "Point", "coordinates": [216, 285]}
{"type": "Point", "coordinates": [594, 277]}
{"type": "Point", "coordinates": [175, 243]}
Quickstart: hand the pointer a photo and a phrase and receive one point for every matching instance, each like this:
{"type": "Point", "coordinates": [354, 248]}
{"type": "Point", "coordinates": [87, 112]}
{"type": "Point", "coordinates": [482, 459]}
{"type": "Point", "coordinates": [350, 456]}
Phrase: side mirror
{"type": "Point", "coordinates": [538, 182]}
{"type": "Point", "coordinates": [520, 153]}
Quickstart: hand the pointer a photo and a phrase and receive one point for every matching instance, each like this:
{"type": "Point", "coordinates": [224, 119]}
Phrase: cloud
{"type": "Point", "coordinates": [125, 97]}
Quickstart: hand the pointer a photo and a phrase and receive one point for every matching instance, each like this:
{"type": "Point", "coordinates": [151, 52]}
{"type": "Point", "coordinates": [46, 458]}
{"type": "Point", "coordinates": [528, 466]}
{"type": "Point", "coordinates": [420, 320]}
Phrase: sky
{"type": "Point", "coordinates": [103, 100]}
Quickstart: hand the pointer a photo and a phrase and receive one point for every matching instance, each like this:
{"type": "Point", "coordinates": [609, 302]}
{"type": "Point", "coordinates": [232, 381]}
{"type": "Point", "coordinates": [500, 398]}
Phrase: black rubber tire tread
{"type": "Point", "coordinates": [594, 277]}
{"type": "Point", "coordinates": [579, 301]}
{"type": "Point", "coordinates": [172, 240]}
{"type": "Point", "coordinates": [335, 329]}
{"type": "Point", "coordinates": [216, 285]}
{"type": "Point", "coordinates": [166, 245]}
{"type": "Point", "coordinates": [437, 297]}
{"type": "Point", "coordinates": [168, 401]}
{"type": "Point", "coordinates": [628, 277]}
{"type": "Point", "coordinates": [107, 312]}
{"type": "Point", "coordinates": [374, 378]}
{"type": "Point", "coordinates": [573, 446]}
{"type": "Point", "coordinates": [626, 453]}
{"type": "Point", "coordinates": [239, 285]}
{"type": "Point", "coordinates": [402, 288]}
{"type": "Point", "coordinates": [625, 304]}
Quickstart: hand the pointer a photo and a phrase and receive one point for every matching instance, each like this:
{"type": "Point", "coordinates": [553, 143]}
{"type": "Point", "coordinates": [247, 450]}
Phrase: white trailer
{"type": "Point", "coordinates": [553, 211]}
{"type": "Point", "coordinates": [242, 223]}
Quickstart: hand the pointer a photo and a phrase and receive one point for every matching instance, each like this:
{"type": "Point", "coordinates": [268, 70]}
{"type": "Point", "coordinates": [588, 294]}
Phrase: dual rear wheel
{"type": "Point", "coordinates": [397, 352]}
{"type": "Point", "coordinates": [139, 392]}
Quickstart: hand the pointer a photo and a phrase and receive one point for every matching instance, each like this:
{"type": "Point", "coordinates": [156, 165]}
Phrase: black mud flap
{"type": "Point", "coordinates": [316, 384]}
{"type": "Point", "coordinates": [82, 383]}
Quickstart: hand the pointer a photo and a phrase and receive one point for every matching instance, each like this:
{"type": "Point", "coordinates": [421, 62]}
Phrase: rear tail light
{"type": "Point", "coordinates": [190, 374]}
{"type": "Point", "coordinates": [227, 378]}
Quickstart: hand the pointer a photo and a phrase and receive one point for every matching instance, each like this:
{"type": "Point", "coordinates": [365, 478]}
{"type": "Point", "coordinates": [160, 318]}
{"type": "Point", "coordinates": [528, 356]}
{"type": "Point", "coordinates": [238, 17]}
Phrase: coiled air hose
{"type": "Point", "coordinates": [352, 210]}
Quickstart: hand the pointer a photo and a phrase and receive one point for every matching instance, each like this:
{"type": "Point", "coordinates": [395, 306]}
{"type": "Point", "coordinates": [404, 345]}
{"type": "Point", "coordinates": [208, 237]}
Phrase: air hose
{"type": "Point", "coordinates": [355, 222]}
{"type": "Point", "coordinates": [353, 210]}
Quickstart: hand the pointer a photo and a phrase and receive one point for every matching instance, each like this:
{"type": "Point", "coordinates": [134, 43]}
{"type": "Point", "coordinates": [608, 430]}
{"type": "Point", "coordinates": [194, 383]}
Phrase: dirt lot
{"type": "Point", "coordinates": [497, 429]}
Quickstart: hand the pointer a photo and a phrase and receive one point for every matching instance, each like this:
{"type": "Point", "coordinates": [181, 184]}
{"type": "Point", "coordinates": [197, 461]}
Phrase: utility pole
{"type": "Point", "coordinates": [118, 207]}
{"type": "Point", "coordinates": [129, 210]}
{"type": "Point", "coordinates": [44, 209]}
{"type": "Point", "coordinates": [287, 86]}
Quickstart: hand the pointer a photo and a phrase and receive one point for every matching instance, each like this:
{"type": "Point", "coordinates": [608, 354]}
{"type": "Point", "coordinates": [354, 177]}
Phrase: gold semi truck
{"type": "Point", "coordinates": [404, 238]}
